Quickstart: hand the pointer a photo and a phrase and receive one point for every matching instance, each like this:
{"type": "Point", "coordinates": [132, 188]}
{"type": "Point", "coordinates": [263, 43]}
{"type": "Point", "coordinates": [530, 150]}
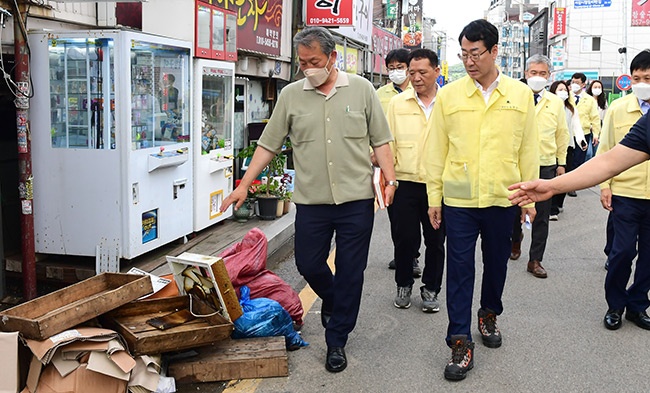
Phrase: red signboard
{"type": "Point", "coordinates": [382, 43]}
{"type": "Point", "coordinates": [258, 23]}
{"type": "Point", "coordinates": [329, 13]}
{"type": "Point", "coordinates": [559, 22]}
{"type": "Point", "coordinates": [640, 13]}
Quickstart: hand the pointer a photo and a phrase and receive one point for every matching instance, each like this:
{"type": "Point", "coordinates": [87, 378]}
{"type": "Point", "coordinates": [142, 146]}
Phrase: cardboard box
{"type": "Point", "coordinates": [51, 314]}
{"type": "Point", "coordinates": [131, 319]}
{"type": "Point", "coordinates": [233, 359]}
{"type": "Point", "coordinates": [194, 273]}
{"type": "Point", "coordinates": [85, 359]}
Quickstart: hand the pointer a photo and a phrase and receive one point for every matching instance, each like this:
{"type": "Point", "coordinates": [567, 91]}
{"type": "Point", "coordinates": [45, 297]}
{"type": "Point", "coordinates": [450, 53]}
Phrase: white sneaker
{"type": "Point", "coordinates": [553, 217]}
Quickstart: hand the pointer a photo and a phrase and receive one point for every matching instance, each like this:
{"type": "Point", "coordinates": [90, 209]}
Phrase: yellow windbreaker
{"type": "Point", "coordinates": [388, 91]}
{"type": "Point", "coordinates": [589, 116]}
{"type": "Point", "coordinates": [620, 117]}
{"type": "Point", "coordinates": [553, 130]}
{"type": "Point", "coordinates": [409, 126]}
{"type": "Point", "coordinates": [475, 151]}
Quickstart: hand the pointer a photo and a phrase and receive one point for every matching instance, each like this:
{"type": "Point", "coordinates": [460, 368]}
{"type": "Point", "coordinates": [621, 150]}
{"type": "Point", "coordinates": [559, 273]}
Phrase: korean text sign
{"type": "Point", "coordinates": [329, 13]}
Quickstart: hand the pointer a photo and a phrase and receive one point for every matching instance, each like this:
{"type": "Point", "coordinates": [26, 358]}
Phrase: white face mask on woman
{"type": "Point", "coordinates": [563, 94]}
{"type": "Point", "coordinates": [317, 76]}
{"type": "Point", "coordinates": [642, 91]}
{"type": "Point", "coordinates": [596, 91]}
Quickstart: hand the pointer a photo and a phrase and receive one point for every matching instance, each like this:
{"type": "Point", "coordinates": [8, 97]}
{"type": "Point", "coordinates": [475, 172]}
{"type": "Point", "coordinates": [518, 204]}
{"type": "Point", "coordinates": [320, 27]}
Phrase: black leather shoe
{"type": "Point", "coordinates": [641, 319]}
{"type": "Point", "coordinates": [336, 360]}
{"type": "Point", "coordinates": [613, 319]}
{"type": "Point", "coordinates": [325, 317]}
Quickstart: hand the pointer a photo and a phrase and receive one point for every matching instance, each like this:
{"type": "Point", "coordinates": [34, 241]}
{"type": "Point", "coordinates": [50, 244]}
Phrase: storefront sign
{"type": "Point", "coordinates": [557, 56]}
{"type": "Point", "coordinates": [258, 24]}
{"type": "Point", "coordinates": [391, 9]}
{"type": "Point", "coordinates": [362, 29]}
{"type": "Point", "coordinates": [382, 43]}
{"type": "Point", "coordinates": [347, 59]}
{"type": "Point", "coordinates": [641, 13]}
{"type": "Point", "coordinates": [412, 25]}
{"type": "Point", "coordinates": [591, 3]}
{"type": "Point", "coordinates": [330, 13]}
{"type": "Point", "coordinates": [559, 22]}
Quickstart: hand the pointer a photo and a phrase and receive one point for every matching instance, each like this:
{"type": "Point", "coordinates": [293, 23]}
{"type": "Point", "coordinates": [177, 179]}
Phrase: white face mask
{"type": "Point", "coordinates": [563, 94]}
{"type": "Point", "coordinates": [536, 83]}
{"type": "Point", "coordinates": [317, 76]}
{"type": "Point", "coordinates": [575, 88]}
{"type": "Point", "coordinates": [596, 91]}
{"type": "Point", "coordinates": [642, 91]}
{"type": "Point", "coordinates": [397, 76]}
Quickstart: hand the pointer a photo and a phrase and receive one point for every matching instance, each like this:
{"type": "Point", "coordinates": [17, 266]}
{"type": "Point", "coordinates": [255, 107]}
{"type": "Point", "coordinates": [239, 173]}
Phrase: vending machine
{"type": "Point", "coordinates": [111, 139]}
{"type": "Point", "coordinates": [213, 108]}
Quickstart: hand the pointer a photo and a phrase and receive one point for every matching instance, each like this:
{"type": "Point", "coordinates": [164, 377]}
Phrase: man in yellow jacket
{"type": "Point", "coordinates": [409, 119]}
{"type": "Point", "coordinates": [589, 116]}
{"type": "Point", "coordinates": [627, 197]}
{"type": "Point", "coordinates": [483, 139]}
{"type": "Point", "coordinates": [553, 142]}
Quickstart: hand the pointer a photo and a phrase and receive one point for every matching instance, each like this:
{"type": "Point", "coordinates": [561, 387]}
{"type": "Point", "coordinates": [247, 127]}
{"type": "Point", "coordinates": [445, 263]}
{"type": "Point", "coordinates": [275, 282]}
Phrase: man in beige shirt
{"type": "Point", "coordinates": [331, 118]}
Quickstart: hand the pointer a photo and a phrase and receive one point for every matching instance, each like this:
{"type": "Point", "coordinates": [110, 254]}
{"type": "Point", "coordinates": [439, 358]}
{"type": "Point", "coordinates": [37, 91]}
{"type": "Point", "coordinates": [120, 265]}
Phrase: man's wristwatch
{"type": "Point", "coordinates": [393, 183]}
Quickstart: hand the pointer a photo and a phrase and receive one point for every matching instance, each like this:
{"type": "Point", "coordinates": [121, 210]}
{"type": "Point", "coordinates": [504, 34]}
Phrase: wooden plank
{"type": "Point", "coordinates": [48, 315]}
{"type": "Point", "coordinates": [234, 359]}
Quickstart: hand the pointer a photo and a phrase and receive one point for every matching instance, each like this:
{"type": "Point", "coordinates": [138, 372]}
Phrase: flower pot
{"type": "Point", "coordinates": [268, 206]}
{"type": "Point", "coordinates": [280, 208]}
{"type": "Point", "coordinates": [286, 206]}
{"type": "Point", "coordinates": [244, 212]}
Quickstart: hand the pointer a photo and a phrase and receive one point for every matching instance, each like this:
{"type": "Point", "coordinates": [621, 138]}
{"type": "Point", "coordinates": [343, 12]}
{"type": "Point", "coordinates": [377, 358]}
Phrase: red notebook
{"type": "Point", "coordinates": [378, 182]}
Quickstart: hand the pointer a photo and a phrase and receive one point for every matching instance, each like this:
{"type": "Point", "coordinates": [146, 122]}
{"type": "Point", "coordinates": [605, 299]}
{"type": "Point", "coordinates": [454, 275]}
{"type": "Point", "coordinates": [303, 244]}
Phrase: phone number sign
{"type": "Point", "coordinates": [329, 13]}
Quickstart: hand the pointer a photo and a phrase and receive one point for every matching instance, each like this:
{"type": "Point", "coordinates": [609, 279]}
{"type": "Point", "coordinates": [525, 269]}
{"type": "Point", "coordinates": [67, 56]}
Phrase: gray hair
{"type": "Point", "coordinates": [316, 33]}
{"type": "Point", "coordinates": [539, 59]}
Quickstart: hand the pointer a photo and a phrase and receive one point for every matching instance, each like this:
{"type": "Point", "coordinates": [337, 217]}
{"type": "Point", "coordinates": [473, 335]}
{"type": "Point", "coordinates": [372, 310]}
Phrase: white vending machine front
{"type": "Point", "coordinates": [112, 155]}
{"type": "Point", "coordinates": [213, 108]}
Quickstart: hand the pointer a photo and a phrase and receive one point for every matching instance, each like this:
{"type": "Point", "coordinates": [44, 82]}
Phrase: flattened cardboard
{"type": "Point", "coordinates": [99, 362]}
{"type": "Point", "coordinates": [74, 350]}
{"type": "Point", "coordinates": [45, 349]}
{"type": "Point", "coordinates": [9, 372]}
{"type": "Point", "coordinates": [81, 380]}
{"type": "Point", "coordinates": [64, 366]}
{"type": "Point", "coordinates": [146, 373]}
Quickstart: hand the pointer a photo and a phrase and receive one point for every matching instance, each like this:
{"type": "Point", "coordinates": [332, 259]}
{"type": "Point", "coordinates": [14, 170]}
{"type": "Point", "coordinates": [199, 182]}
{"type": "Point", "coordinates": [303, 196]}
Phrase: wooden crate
{"type": "Point", "coordinates": [48, 315]}
{"type": "Point", "coordinates": [234, 359]}
{"type": "Point", "coordinates": [130, 321]}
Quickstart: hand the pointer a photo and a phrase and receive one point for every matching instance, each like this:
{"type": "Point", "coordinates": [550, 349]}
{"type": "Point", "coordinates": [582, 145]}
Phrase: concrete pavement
{"type": "Point", "coordinates": [554, 339]}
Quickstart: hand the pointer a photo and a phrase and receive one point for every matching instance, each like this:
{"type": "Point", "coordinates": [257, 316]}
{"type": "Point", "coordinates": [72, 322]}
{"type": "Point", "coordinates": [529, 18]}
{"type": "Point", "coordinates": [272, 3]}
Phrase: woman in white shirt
{"type": "Point", "coordinates": [576, 139]}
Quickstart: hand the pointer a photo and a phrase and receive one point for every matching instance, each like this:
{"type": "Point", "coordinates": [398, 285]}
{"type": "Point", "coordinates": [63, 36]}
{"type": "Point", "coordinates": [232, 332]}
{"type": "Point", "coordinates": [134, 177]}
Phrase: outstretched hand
{"type": "Point", "coordinates": [530, 192]}
{"type": "Point", "coordinates": [238, 196]}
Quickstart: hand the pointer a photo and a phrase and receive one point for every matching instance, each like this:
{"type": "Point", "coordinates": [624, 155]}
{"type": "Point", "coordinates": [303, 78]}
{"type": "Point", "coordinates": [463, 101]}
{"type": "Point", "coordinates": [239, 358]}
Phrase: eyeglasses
{"type": "Point", "coordinates": [399, 67]}
{"type": "Point", "coordinates": [474, 56]}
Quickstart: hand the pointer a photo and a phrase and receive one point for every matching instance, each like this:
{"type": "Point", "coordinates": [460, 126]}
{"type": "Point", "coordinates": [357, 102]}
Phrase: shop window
{"type": "Point", "coordinates": [216, 32]}
{"type": "Point", "coordinates": [590, 44]}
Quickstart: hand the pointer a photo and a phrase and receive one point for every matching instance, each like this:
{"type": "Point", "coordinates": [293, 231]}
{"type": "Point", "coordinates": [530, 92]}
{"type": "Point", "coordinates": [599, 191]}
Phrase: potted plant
{"type": "Point", "coordinates": [287, 193]}
{"type": "Point", "coordinates": [245, 211]}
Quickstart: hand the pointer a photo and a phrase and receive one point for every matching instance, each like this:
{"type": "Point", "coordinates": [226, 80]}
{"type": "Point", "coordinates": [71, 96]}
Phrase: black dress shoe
{"type": "Point", "coordinates": [641, 319]}
{"type": "Point", "coordinates": [613, 319]}
{"type": "Point", "coordinates": [336, 360]}
{"type": "Point", "coordinates": [325, 317]}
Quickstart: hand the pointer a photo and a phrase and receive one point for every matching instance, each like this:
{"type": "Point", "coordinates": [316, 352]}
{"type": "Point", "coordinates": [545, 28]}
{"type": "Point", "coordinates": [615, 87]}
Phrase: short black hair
{"type": "Point", "coordinates": [641, 61]}
{"type": "Point", "coordinates": [401, 55]}
{"type": "Point", "coordinates": [480, 30]}
{"type": "Point", "coordinates": [579, 75]}
{"type": "Point", "coordinates": [424, 54]}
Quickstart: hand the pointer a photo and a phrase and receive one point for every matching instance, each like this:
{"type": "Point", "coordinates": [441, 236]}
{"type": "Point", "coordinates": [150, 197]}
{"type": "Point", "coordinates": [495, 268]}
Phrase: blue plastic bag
{"type": "Point", "coordinates": [265, 318]}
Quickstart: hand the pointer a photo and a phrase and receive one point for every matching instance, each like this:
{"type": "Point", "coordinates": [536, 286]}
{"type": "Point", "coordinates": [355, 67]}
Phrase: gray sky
{"type": "Point", "coordinates": [452, 17]}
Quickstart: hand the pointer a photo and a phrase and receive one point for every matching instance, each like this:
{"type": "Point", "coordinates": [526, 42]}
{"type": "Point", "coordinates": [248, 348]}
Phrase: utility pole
{"type": "Point", "coordinates": [25, 179]}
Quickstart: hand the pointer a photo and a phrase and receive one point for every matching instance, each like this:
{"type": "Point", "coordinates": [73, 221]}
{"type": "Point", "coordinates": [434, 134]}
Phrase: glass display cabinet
{"type": "Point", "coordinates": [213, 108]}
{"type": "Point", "coordinates": [111, 139]}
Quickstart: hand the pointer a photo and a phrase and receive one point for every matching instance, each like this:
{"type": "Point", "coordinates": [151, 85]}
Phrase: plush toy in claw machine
{"type": "Point", "coordinates": [209, 139]}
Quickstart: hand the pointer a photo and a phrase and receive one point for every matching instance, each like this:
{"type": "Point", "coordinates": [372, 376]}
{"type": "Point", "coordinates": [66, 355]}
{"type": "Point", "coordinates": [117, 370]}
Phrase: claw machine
{"type": "Point", "coordinates": [213, 107]}
{"type": "Point", "coordinates": [111, 139]}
